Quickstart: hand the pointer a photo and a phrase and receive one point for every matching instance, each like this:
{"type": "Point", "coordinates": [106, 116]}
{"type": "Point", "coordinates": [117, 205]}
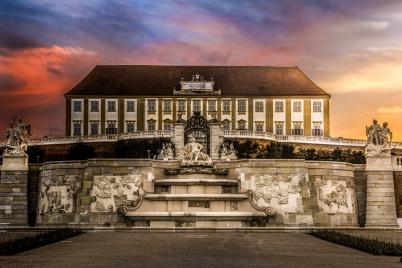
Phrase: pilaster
{"type": "Point", "coordinates": [178, 138]}
{"type": "Point", "coordinates": [13, 190]}
{"type": "Point", "coordinates": [381, 207]}
{"type": "Point", "coordinates": [214, 136]}
{"type": "Point", "coordinates": [307, 117]}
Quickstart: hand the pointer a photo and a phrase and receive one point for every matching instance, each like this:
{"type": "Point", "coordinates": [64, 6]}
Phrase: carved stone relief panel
{"type": "Point", "coordinates": [336, 197]}
{"type": "Point", "coordinates": [281, 192]}
{"type": "Point", "coordinates": [112, 192]}
{"type": "Point", "coordinates": [57, 194]}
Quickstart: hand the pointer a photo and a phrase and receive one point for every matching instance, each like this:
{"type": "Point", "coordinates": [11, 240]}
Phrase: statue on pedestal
{"type": "Point", "coordinates": [193, 155]}
{"type": "Point", "coordinates": [378, 139]}
{"type": "Point", "coordinates": [227, 151]}
{"type": "Point", "coordinates": [17, 135]}
{"type": "Point", "coordinates": [167, 151]}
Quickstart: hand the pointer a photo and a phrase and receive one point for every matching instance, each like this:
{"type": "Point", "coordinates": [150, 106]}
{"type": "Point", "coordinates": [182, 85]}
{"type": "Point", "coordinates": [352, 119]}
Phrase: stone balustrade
{"type": "Point", "coordinates": [234, 134]}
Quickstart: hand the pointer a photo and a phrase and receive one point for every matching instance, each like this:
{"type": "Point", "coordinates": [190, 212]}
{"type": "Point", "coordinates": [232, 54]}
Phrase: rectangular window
{"type": "Point", "coordinates": [181, 106]}
{"type": "Point", "coordinates": [297, 128]}
{"type": "Point", "coordinates": [279, 128]}
{"type": "Point", "coordinates": [297, 106]}
{"type": "Point", "coordinates": [317, 106]}
{"type": "Point", "coordinates": [226, 125]}
{"type": "Point", "coordinates": [212, 106]}
{"type": "Point", "coordinates": [77, 128]}
{"type": "Point", "coordinates": [111, 127]}
{"type": "Point", "coordinates": [130, 106]}
{"type": "Point", "coordinates": [259, 106]}
{"type": "Point", "coordinates": [94, 106]}
{"type": "Point", "coordinates": [130, 126]}
{"type": "Point", "coordinates": [279, 106]}
{"type": "Point", "coordinates": [151, 125]}
{"type": "Point", "coordinates": [317, 129]}
{"type": "Point", "coordinates": [77, 106]}
{"type": "Point", "coordinates": [152, 106]}
{"type": "Point", "coordinates": [94, 127]}
{"type": "Point", "coordinates": [226, 105]}
{"type": "Point", "coordinates": [196, 106]}
{"type": "Point", "coordinates": [167, 126]}
{"type": "Point", "coordinates": [111, 106]}
{"type": "Point", "coordinates": [242, 125]}
{"type": "Point", "coordinates": [259, 126]}
{"type": "Point", "coordinates": [241, 106]}
{"type": "Point", "coordinates": [167, 105]}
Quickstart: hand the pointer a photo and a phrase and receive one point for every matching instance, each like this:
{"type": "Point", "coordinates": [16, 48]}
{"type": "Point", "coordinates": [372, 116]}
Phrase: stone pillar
{"type": "Point", "coordinates": [13, 190]}
{"type": "Point", "coordinates": [178, 138]}
{"type": "Point", "coordinates": [381, 208]}
{"type": "Point", "coordinates": [214, 139]}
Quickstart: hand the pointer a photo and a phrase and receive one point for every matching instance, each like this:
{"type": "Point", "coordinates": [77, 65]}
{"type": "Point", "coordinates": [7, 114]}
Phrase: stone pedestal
{"type": "Point", "coordinates": [178, 138]}
{"type": "Point", "coordinates": [215, 139]}
{"type": "Point", "coordinates": [381, 207]}
{"type": "Point", "coordinates": [13, 190]}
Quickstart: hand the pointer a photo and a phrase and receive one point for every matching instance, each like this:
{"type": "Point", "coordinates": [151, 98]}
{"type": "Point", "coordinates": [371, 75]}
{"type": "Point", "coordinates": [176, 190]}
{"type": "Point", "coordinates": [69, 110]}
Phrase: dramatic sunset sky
{"type": "Point", "coordinates": [352, 49]}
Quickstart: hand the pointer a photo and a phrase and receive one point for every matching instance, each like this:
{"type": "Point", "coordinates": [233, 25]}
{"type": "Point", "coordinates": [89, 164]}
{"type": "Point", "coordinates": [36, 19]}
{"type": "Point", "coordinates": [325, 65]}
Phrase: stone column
{"type": "Point", "coordinates": [178, 138]}
{"type": "Point", "coordinates": [214, 139]}
{"type": "Point", "coordinates": [13, 190]}
{"type": "Point", "coordinates": [381, 207]}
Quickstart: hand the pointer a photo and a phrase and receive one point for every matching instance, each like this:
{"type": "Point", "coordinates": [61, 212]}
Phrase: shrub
{"type": "Point", "coordinates": [138, 148]}
{"type": "Point", "coordinates": [373, 246]}
{"type": "Point", "coordinates": [26, 243]}
{"type": "Point", "coordinates": [247, 149]}
{"type": "Point", "coordinates": [277, 150]}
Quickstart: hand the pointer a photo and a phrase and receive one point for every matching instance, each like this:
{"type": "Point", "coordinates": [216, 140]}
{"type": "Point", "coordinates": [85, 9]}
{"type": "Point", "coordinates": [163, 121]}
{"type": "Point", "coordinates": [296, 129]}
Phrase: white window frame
{"type": "Point", "coordinates": [259, 106]}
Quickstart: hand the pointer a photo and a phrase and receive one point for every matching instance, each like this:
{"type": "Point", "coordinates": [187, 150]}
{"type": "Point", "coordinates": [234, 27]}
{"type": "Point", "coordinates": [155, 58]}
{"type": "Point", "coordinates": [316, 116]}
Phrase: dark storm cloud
{"type": "Point", "coordinates": [109, 23]}
{"type": "Point", "coordinates": [9, 83]}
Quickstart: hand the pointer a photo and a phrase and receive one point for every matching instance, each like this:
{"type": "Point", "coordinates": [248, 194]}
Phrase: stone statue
{"type": "Point", "coordinates": [373, 133]}
{"type": "Point", "coordinates": [180, 118]}
{"type": "Point", "coordinates": [385, 135]}
{"type": "Point", "coordinates": [167, 151]}
{"type": "Point", "coordinates": [378, 139]}
{"type": "Point", "coordinates": [17, 135]}
{"type": "Point", "coordinates": [227, 151]}
{"type": "Point", "coordinates": [193, 155]}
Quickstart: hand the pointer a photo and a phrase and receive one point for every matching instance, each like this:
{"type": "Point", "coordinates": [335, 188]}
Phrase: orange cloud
{"type": "Point", "coordinates": [33, 81]}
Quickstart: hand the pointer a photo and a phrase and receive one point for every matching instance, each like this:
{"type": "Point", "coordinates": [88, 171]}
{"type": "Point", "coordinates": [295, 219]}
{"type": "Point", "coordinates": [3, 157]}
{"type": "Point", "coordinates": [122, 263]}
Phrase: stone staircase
{"type": "Point", "coordinates": [196, 200]}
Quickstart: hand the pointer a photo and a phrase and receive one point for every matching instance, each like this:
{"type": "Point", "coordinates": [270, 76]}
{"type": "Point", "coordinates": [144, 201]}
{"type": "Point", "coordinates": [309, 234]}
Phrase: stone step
{"type": "Point", "coordinates": [188, 197]}
{"type": "Point", "coordinates": [198, 215]}
{"type": "Point", "coordinates": [196, 182]}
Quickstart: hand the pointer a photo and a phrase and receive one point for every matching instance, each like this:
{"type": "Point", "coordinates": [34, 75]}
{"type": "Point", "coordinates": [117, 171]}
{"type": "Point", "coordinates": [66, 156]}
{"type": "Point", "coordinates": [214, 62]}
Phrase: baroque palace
{"type": "Point", "coordinates": [126, 98]}
{"type": "Point", "coordinates": [193, 118]}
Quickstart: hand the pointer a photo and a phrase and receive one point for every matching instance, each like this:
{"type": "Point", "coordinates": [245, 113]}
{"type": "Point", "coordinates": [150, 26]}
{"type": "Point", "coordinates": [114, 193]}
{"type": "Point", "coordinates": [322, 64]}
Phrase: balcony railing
{"type": "Point", "coordinates": [233, 134]}
{"type": "Point", "coordinates": [317, 132]}
{"type": "Point", "coordinates": [297, 131]}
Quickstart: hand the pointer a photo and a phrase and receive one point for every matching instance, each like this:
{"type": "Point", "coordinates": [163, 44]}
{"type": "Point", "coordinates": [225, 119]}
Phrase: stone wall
{"type": "Point", "coordinates": [398, 192]}
{"type": "Point", "coordinates": [303, 193]}
{"type": "Point", "coordinates": [13, 198]}
{"type": "Point", "coordinates": [32, 194]}
{"type": "Point", "coordinates": [361, 193]}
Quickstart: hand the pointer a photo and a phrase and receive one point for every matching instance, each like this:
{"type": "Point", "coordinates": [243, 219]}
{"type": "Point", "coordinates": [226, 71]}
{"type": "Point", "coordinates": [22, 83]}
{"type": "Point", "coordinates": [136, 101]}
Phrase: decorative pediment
{"type": "Point", "coordinates": [197, 85]}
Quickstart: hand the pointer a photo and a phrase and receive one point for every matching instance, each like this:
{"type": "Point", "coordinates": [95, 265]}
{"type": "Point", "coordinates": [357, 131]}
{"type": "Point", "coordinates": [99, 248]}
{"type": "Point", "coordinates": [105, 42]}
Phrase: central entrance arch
{"type": "Point", "coordinates": [197, 126]}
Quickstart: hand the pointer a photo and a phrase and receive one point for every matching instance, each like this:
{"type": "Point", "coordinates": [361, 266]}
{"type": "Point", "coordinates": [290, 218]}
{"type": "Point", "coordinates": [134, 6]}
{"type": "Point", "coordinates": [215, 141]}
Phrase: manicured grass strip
{"type": "Point", "coordinates": [373, 246]}
{"type": "Point", "coordinates": [26, 243]}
